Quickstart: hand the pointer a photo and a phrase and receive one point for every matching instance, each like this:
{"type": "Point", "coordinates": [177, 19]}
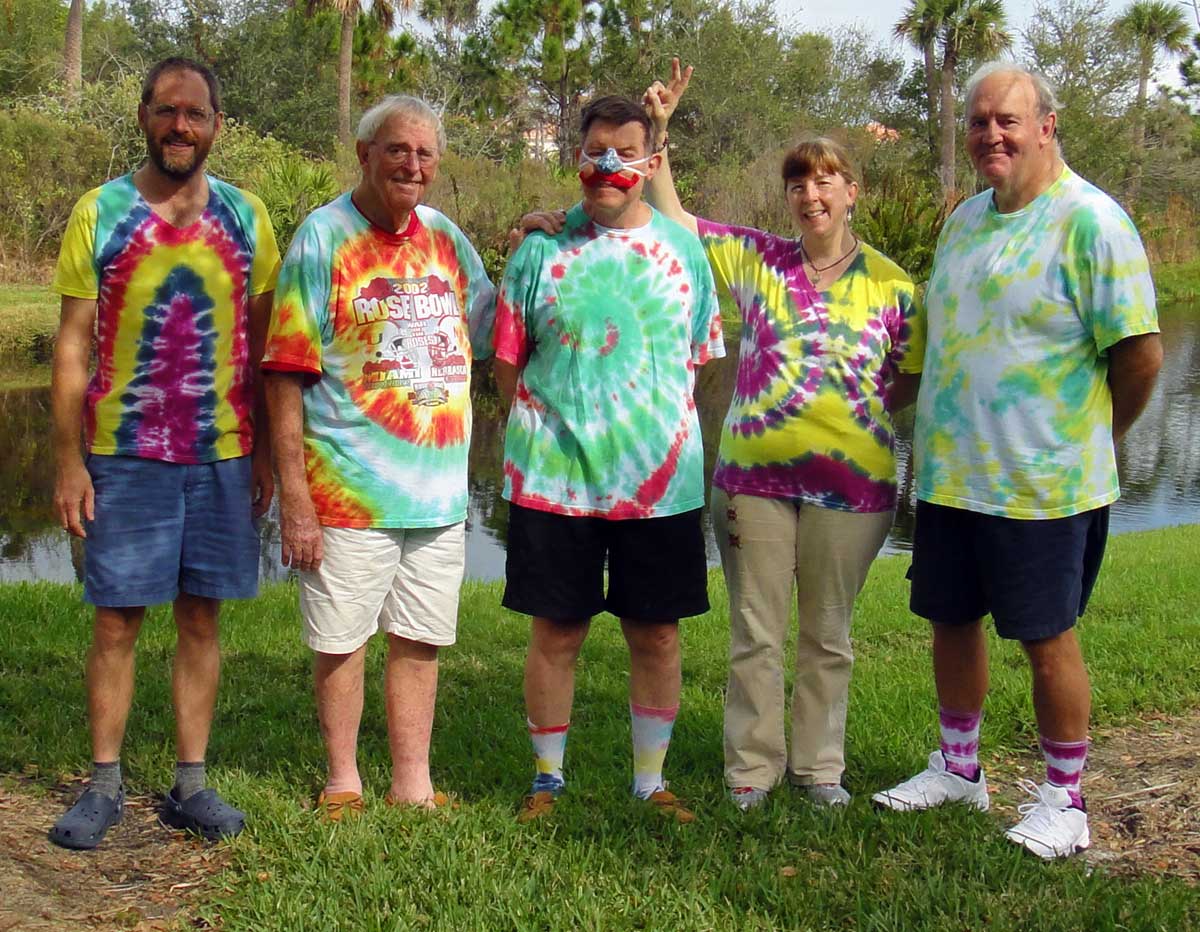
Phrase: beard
{"type": "Point", "coordinates": [178, 167]}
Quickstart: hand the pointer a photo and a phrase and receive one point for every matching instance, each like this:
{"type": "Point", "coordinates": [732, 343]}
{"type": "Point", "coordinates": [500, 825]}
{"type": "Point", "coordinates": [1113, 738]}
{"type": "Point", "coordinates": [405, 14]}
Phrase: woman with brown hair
{"type": "Point", "coordinates": [804, 489]}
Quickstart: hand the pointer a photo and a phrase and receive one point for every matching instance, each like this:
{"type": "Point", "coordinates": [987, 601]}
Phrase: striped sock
{"type": "Point", "coordinates": [960, 741]}
{"type": "Point", "coordinates": [651, 738]}
{"type": "Point", "coordinates": [549, 746]}
{"type": "Point", "coordinates": [1064, 765]}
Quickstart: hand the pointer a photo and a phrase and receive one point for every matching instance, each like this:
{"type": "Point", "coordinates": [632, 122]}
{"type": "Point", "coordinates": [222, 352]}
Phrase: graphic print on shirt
{"type": "Point", "coordinates": [418, 347]}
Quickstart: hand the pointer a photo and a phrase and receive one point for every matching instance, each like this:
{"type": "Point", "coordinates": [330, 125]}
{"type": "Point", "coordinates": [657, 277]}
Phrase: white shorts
{"type": "Point", "coordinates": [402, 581]}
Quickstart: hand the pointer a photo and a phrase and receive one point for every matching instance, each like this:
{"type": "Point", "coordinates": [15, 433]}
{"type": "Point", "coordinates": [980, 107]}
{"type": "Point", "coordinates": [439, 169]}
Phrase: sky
{"type": "Point", "coordinates": [879, 16]}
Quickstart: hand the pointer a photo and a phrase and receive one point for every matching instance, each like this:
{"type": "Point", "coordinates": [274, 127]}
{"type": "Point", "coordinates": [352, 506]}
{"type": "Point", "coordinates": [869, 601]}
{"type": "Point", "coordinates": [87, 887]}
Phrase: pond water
{"type": "Point", "coordinates": [1159, 464]}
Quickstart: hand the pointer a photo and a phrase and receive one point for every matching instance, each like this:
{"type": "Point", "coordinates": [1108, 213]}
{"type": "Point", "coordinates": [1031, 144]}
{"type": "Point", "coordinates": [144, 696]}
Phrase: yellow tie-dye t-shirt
{"type": "Point", "coordinates": [173, 378]}
{"type": "Point", "coordinates": [1014, 416]}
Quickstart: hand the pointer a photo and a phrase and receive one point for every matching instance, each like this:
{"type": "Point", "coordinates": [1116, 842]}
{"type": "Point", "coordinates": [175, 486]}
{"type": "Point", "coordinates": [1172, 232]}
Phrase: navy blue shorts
{"type": "Point", "coordinates": [657, 567]}
{"type": "Point", "coordinates": [1033, 577]}
{"type": "Point", "coordinates": [165, 528]}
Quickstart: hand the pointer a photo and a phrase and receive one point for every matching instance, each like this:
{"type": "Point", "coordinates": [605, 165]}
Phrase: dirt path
{"type": "Point", "coordinates": [139, 879]}
{"type": "Point", "coordinates": [1142, 787]}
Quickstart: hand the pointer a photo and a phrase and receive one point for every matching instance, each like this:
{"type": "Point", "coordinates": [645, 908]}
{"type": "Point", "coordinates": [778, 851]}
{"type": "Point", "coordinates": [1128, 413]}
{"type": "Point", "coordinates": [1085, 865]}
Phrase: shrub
{"type": "Point", "coordinates": [45, 165]}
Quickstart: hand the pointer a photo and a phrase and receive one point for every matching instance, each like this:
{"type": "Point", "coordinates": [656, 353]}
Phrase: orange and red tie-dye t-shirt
{"type": "Point", "coordinates": [386, 325]}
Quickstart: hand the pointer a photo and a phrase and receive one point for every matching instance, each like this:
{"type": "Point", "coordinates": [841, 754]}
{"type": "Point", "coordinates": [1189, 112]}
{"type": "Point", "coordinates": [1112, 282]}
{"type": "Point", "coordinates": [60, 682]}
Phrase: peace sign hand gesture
{"type": "Point", "coordinates": [661, 99]}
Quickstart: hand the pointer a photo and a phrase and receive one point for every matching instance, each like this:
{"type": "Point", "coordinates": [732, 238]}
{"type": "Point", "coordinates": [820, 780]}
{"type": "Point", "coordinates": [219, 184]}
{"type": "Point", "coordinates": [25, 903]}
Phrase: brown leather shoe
{"type": "Point", "coordinates": [536, 805]}
{"type": "Point", "coordinates": [669, 804]}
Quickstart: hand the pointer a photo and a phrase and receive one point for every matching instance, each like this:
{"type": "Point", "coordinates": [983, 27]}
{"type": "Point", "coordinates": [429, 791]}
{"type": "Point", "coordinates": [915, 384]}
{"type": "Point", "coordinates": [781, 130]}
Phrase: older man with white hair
{"type": "Point", "coordinates": [380, 305]}
{"type": "Point", "coordinates": [1042, 350]}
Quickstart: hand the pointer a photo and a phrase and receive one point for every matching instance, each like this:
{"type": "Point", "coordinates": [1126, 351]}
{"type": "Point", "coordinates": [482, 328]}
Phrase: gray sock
{"type": "Point", "coordinates": [189, 778]}
{"type": "Point", "coordinates": [106, 777]}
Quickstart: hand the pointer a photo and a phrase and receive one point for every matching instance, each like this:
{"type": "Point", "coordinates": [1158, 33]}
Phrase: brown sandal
{"type": "Point", "coordinates": [536, 805]}
{"type": "Point", "coordinates": [338, 806]}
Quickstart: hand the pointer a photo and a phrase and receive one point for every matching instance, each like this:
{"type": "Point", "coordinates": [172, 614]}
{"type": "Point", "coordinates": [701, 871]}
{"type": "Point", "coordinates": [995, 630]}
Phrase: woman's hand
{"type": "Point", "coordinates": [661, 100]}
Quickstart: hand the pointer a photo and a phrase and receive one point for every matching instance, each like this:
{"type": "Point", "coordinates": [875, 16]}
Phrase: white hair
{"type": "Point", "coordinates": [400, 105]}
{"type": "Point", "coordinates": [1047, 101]}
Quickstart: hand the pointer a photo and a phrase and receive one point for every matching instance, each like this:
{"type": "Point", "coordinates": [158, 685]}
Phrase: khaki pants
{"type": "Point", "coordinates": [766, 545]}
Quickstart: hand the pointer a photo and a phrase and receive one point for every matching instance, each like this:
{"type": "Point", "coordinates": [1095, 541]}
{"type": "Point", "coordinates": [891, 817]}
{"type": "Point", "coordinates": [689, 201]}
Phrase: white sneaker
{"type": "Point", "coordinates": [826, 794]}
{"type": "Point", "coordinates": [747, 797]}
{"type": "Point", "coordinates": [932, 787]}
{"type": "Point", "coordinates": [1051, 827]}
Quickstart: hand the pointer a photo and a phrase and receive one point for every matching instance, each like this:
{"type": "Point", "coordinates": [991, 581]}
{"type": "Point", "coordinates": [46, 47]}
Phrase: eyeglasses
{"type": "Point", "coordinates": [196, 116]}
{"type": "Point", "coordinates": [402, 154]}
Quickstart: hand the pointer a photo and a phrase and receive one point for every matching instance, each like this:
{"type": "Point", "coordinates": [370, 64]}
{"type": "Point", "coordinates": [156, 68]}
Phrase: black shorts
{"type": "Point", "coordinates": [1034, 577]}
{"type": "Point", "coordinates": [657, 567]}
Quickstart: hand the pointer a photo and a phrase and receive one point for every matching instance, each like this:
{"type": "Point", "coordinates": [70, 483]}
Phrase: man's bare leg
{"type": "Point", "coordinates": [410, 687]}
{"type": "Point", "coordinates": [338, 682]}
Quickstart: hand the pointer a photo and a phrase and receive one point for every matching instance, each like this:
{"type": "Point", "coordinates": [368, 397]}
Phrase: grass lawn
{"type": "Point", "coordinates": [601, 861]}
{"type": "Point", "coordinates": [28, 319]}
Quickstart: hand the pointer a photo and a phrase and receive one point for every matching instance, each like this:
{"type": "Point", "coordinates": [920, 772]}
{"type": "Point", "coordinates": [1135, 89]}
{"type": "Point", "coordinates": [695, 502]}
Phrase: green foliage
{"type": "Point", "coordinates": [46, 163]}
{"type": "Point", "coordinates": [486, 201]}
{"type": "Point", "coordinates": [903, 221]}
{"type": "Point", "coordinates": [292, 187]}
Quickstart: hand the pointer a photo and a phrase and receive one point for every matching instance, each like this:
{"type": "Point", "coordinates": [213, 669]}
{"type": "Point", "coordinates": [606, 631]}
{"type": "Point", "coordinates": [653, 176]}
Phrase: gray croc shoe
{"type": "Point", "coordinates": [85, 824]}
{"type": "Point", "coordinates": [204, 813]}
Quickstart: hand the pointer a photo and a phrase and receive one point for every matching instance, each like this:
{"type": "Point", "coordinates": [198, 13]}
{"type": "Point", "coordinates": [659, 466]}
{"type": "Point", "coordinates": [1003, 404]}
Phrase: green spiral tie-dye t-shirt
{"type": "Point", "coordinates": [1014, 416]}
{"type": "Point", "coordinates": [607, 327]}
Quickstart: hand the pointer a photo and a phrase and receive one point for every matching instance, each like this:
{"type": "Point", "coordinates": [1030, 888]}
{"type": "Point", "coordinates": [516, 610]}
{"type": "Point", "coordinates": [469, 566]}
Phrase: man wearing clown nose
{"type": "Point", "coordinates": [599, 328]}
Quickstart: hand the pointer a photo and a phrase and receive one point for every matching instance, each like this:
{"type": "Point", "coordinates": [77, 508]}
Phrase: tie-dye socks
{"type": "Point", "coordinates": [960, 742]}
{"type": "Point", "coordinates": [651, 738]}
{"type": "Point", "coordinates": [549, 746]}
{"type": "Point", "coordinates": [1064, 765]}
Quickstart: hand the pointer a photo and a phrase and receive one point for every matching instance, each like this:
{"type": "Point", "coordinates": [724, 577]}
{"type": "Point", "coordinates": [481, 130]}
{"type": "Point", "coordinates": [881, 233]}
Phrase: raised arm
{"type": "Point", "coordinates": [660, 101]}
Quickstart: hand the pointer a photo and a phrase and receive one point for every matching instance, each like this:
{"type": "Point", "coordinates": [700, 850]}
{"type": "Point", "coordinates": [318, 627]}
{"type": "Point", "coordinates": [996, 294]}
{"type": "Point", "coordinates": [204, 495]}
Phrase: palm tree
{"type": "Point", "coordinates": [73, 50]}
{"type": "Point", "coordinates": [958, 29]}
{"type": "Point", "coordinates": [920, 26]}
{"type": "Point", "coordinates": [349, 10]}
{"type": "Point", "coordinates": [970, 29]}
{"type": "Point", "coordinates": [1152, 26]}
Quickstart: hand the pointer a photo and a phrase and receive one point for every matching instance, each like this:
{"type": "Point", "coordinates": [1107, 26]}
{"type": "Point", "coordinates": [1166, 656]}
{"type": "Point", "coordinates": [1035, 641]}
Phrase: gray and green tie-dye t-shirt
{"type": "Point", "coordinates": [1015, 415]}
{"type": "Point", "coordinates": [607, 327]}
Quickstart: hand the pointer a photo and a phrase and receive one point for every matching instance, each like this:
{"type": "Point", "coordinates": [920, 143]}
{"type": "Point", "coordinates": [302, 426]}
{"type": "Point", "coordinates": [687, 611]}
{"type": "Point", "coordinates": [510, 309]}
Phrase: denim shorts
{"type": "Point", "coordinates": [166, 528]}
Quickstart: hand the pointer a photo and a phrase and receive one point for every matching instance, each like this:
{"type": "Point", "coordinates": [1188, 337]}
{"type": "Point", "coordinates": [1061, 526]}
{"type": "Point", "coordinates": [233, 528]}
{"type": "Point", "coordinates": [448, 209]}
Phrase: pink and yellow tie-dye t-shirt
{"type": "Point", "coordinates": [384, 324]}
{"type": "Point", "coordinates": [607, 327]}
{"type": "Point", "coordinates": [173, 379]}
{"type": "Point", "coordinates": [809, 419]}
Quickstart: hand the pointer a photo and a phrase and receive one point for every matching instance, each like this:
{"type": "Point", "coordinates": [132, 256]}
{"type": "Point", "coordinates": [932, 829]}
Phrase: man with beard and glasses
{"type": "Point", "coordinates": [162, 461]}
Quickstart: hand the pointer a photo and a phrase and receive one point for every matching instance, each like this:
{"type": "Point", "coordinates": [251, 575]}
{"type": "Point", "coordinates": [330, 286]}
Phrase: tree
{"type": "Point", "coordinates": [960, 30]}
{"type": "Point", "coordinates": [1092, 69]}
{"type": "Point", "coordinates": [921, 26]}
{"type": "Point", "coordinates": [1152, 26]}
{"type": "Point", "coordinates": [550, 43]}
{"type": "Point", "coordinates": [349, 10]}
{"type": "Point", "coordinates": [970, 29]}
{"type": "Point", "coordinates": [73, 50]}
